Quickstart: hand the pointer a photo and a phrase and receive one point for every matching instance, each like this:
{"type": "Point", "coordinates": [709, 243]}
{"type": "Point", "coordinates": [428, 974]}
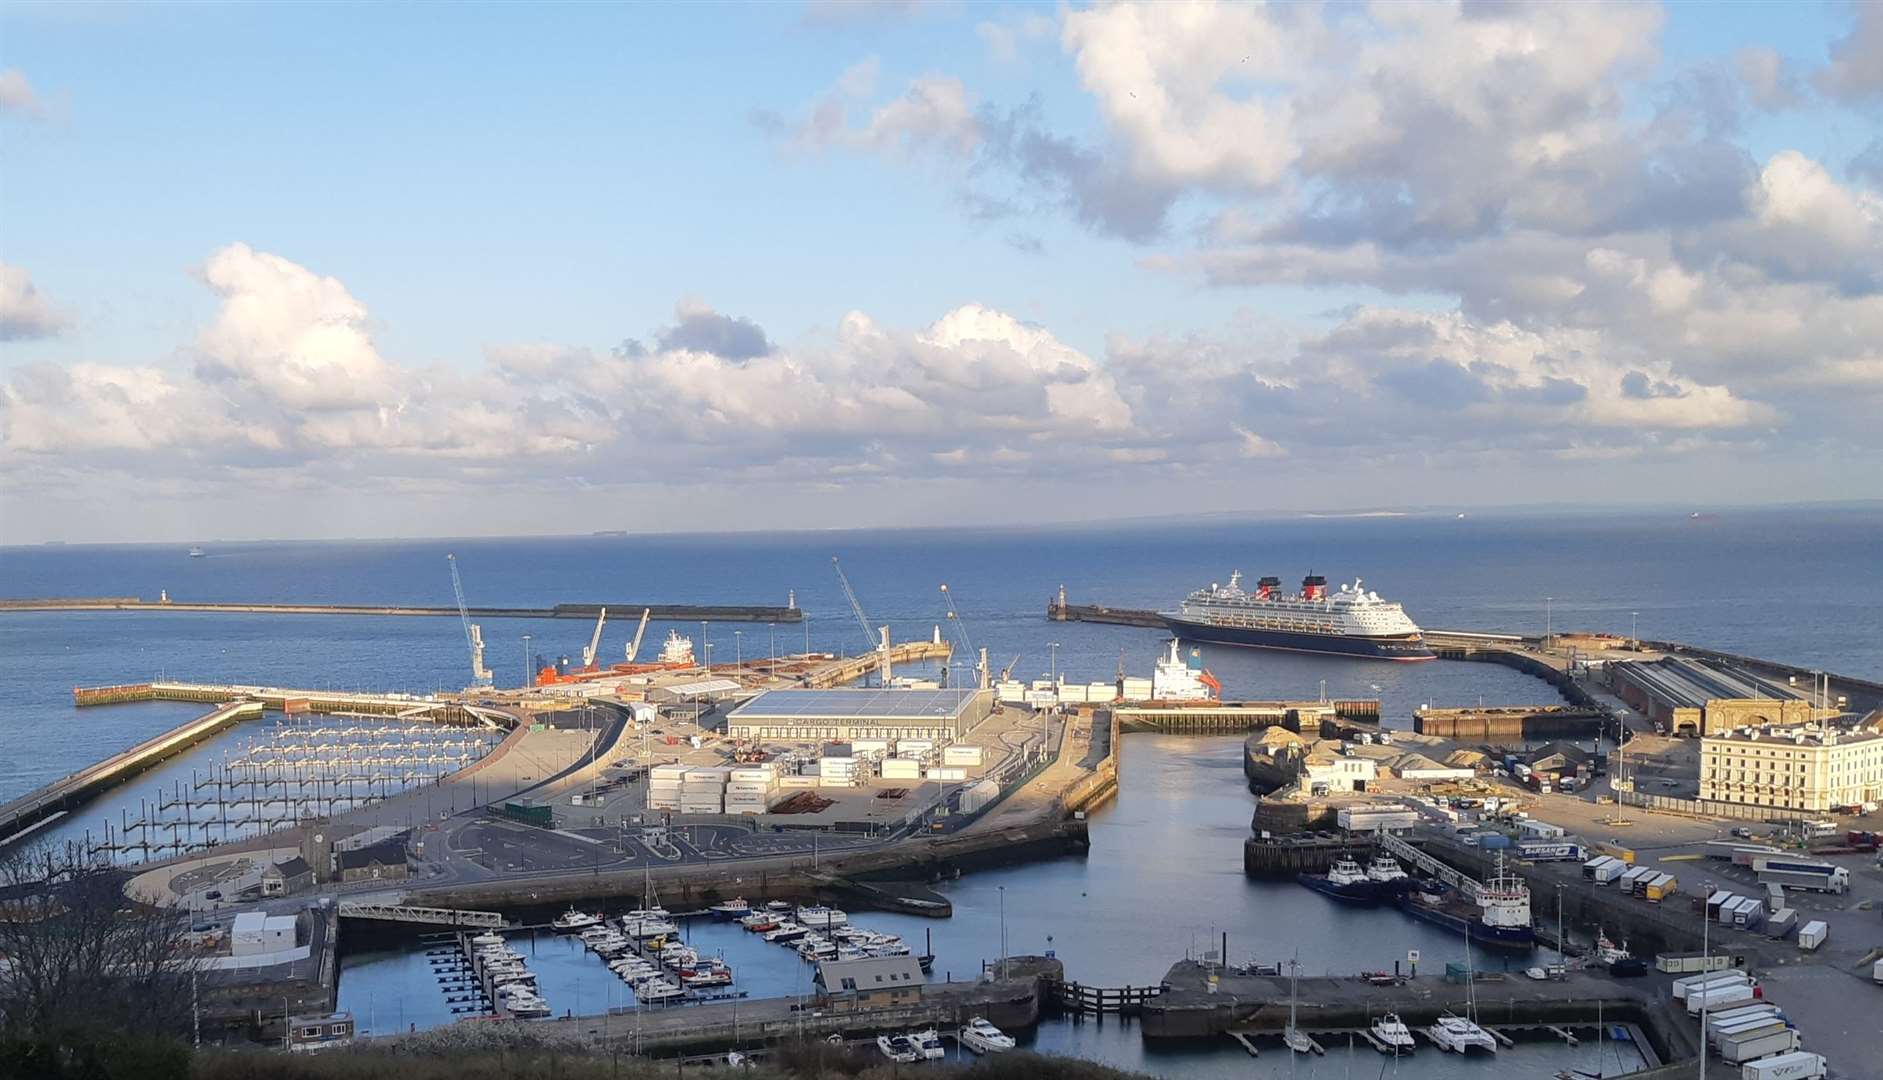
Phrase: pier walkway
{"type": "Point", "coordinates": [36, 808]}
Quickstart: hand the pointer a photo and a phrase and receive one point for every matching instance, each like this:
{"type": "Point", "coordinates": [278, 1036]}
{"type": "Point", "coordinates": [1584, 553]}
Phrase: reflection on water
{"type": "Point", "coordinates": [1163, 881]}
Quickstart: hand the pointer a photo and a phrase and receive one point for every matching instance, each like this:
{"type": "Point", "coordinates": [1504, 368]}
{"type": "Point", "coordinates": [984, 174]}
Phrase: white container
{"type": "Point", "coordinates": [1626, 883]}
{"type": "Point", "coordinates": [1797, 1065]}
{"type": "Point", "coordinates": [1010, 691]}
{"type": "Point", "coordinates": [669, 772]}
{"type": "Point", "coordinates": [900, 768]}
{"type": "Point", "coordinates": [978, 796]}
{"type": "Point", "coordinates": [797, 781]}
{"type": "Point", "coordinates": [1101, 692]}
{"type": "Point", "coordinates": [869, 747]}
{"type": "Point", "coordinates": [752, 773]}
{"type": "Point", "coordinates": [1717, 997]}
{"type": "Point", "coordinates": [836, 781]}
{"type": "Point", "coordinates": [961, 755]}
{"type": "Point", "coordinates": [1753, 1047]}
{"type": "Point", "coordinates": [1136, 689]}
{"type": "Point", "coordinates": [913, 747]}
{"type": "Point", "coordinates": [1072, 692]}
{"type": "Point", "coordinates": [946, 775]}
{"type": "Point", "coordinates": [1710, 980]}
{"type": "Point", "coordinates": [1812, 934]}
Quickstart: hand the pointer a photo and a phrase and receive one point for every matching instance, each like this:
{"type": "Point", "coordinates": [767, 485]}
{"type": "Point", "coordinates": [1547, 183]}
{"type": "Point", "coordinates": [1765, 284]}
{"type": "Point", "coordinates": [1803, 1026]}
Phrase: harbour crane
{"type": "Point", "coordinates": [961, 630]}
{"type": "Point", "coordinates": [473, 634]}
{"type": "Point", "coordinates": [879, 636]}
{"type": "Point", "coordinates": [634, 647]}
{"type": "Point", "coordinates": [594, 642]}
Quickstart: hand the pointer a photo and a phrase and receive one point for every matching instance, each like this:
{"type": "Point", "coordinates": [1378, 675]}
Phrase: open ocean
{"type": "Point", "coordinates": [1803, 585]}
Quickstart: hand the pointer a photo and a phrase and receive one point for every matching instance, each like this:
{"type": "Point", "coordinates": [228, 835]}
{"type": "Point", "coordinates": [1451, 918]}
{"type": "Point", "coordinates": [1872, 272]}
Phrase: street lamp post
{"type": "Point", "coordinates": [1549, 619]}
{"type": "Point", "coordinates": [1054, 674]}
{"type": "Point", "coordinates": [526, 661]}
{"type": "Point", "coordinates": [706, 648]}
{"type": "Point", "coordinates": [738, 648]}
{"type": "Point", "coordinates": [772, 632]}
{"type": "Point", "coordinates": [1003, 930]}
{"type": "Point", "coordinates": [1634, 637]}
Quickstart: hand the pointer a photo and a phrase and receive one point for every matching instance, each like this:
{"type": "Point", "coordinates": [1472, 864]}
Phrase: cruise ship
{"type": "Point", "coordinates": [1350, 621]}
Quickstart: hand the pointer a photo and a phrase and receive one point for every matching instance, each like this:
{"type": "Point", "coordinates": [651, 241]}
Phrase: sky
{"type": "Point", "coordinates": [280, 270]}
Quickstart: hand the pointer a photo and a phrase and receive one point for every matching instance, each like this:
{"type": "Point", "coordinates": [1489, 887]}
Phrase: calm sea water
{"type": "Point", "coordinates": [1798, 585]}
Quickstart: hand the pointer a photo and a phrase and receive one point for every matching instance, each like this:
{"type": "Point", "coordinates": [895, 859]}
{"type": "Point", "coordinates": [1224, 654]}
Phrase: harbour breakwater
{"type": "Point", "coordinates": [670, 612]}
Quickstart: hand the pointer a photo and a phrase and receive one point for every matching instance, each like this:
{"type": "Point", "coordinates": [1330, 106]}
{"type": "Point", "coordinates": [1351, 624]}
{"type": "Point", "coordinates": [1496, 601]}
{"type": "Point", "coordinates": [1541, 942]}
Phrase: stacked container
{"type": "Point", "coordinates": [1101, 692]}
{"type": "Point", "coordinates": [962, 755]}
{"type": "Point", "coordinates": [751, 789]}
{"type": "Point", "coordinates": [838, 772]}
{"type": "Point", "coordinates": [870, 749]}
{"type": "Point", "coordinates": [704, 791]}
{"type": "Point", "coordinates": [664, 785]}
{"type": "Point", "coordinates": [946, 775]}
{"type": "Point", "coordinates": [902, 768]}
{"type": "Point", "coordinates": [914, 748]}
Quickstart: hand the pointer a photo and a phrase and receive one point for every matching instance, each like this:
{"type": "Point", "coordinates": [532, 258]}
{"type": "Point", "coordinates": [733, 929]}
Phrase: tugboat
{"type": "Point", "coordinates": [1345, 882]}
{"type": "Point", "coordinates": [1500, 919]}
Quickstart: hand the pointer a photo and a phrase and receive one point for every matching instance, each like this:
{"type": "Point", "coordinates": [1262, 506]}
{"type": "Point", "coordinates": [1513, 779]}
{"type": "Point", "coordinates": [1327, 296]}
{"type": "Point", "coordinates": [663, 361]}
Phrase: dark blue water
{"type": "Point", "coordinates": [1164, 876]}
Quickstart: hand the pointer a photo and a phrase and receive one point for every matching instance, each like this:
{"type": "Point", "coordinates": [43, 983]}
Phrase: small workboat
{"type": "Point", "coordinates": [736, 908]}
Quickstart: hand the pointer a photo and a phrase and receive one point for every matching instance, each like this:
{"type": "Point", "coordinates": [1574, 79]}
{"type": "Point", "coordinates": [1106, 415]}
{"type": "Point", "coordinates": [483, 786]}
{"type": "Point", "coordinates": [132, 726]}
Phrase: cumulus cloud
{"type": "Point", "coordinates": [24, 313]}
{"type": "Point", "coordinates": [698, 328]}
{"type": "Point", "coordinates": [934, 112]}
{"type": "Point", "coordinates": [1855, 73]}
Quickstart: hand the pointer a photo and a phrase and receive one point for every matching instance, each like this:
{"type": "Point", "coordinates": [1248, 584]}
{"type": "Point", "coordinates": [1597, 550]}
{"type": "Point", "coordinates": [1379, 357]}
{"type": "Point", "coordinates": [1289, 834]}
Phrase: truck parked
{"type": "Point", "coordinates": [1797, 1065]}
{"type": "Point", "coordinates": [1802, 874]}
{"type": "Point", "coordinates": [1548, 851]}
{"type": "Point", "coordinates": [1626, 883]}
{"type": "Point", "coordinates": [1713, 979]}
{"type": "Point", "coordinates": [1603, 869]}
{"type": "Point", "coordinates": [1660, 887]}
{"type": "Point", "coordinates": [1756, 1045]}
{"type": "Point", "coordinates": [1774, 897]}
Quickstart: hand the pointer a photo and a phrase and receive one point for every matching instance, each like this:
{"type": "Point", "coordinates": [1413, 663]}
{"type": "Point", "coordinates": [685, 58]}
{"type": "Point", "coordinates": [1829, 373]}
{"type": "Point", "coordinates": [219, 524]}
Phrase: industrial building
{"type": "Point", "coordinates": [844, 714]}
{"type": "Point", "coordinates": [1802, 768]}
{"type": "Point", "coordinates": [1699, 697]}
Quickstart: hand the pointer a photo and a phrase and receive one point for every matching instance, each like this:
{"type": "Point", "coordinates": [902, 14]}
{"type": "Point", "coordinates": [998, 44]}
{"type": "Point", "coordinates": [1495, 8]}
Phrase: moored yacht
{"type": "Point", "coordinates": [1391, 1035]}
{"type": "Point", "coordinates": [984, 1038]}
{"type": "Point", "coordinates": [1460, 1036]}
{"type": "Point", "coordinates": [573, 920]}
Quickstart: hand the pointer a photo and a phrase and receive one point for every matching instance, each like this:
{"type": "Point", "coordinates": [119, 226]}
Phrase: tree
{"type": "Point", "coordinates": [81, 964]}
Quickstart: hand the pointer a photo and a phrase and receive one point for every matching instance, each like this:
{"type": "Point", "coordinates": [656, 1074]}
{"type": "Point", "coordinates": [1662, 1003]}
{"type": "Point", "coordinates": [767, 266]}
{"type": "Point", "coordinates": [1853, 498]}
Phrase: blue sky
{"type": "Point", "coordinates": [1360, 264]}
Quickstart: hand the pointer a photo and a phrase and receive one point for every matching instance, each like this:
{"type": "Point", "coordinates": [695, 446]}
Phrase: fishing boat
{"type": "Point", "coordinates": [898, 1049]}
{"type": "Point", "coordinates": [1391, 1035]}
{"type": "Point", "coordinates": [1345, 882]}
{"type": "Point", "coordinates": [197, 553]}
{"type": "Point", "coordinates": [736, 908]}
{"type": "Point", "coordinates": [984, 1038]}
{"type": "Point", "coordinates": [819, 917]}
{"type": "Point", "coordinates": [572, 920]}
{"type": "Point", "coordinates": [760, 921]}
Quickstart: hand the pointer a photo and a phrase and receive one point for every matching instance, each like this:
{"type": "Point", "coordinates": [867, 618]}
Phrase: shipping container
{"type": "Point", "coordinates": [1603, 869]}
{"type": "Point", "coordinates": [1540, 830]}
{"type": "Point", "coordinates": [1774, 897]}
{"type": "Point", "coordinates": [1812, 934]}
{"type": "Point", "coordinates": [1072, 692]}
{"type": "Point", "coordinates": [1633, 874]}
{"type": "Point", "coordinates": [1661, 887]}
{"type": "Point", "coordinates": [961, 755]}
{"type": "Point", "coordinates": [1101, 692]}
{"type": "Point", "coordinates": [1683, 963]}
{"type": "Point", "coordinates": [1744, 1027]}
{"type": "Point", "coordinates": [1782, 923]}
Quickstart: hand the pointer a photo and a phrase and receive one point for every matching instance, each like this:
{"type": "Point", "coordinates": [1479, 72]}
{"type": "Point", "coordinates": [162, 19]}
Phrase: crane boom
{"type": "Point", "coordinates": [473, 635]}
{"type": "Point", "coordinates": [881, 643]}
{"type": "Point", "coordinates": [634, 647]}
{"type": "Point", "coordinates": [595, 640]}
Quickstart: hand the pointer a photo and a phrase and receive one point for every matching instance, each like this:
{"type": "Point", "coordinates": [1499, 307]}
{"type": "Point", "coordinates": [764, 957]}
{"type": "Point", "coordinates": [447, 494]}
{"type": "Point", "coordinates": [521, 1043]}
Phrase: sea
{"type": "Point", "coordinates": [1163, 881]}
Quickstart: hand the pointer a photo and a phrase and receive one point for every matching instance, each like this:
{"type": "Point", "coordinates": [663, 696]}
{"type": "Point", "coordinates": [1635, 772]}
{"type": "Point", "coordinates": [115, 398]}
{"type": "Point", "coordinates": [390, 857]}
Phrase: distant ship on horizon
{"type": "Point", "coordinates": [1347, 622]}
{"type": "Point", "coordinates": [197, 553]}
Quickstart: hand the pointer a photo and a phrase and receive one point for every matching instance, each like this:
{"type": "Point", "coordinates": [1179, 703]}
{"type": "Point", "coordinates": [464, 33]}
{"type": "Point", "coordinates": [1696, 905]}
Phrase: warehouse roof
{"type": "Point", "coordinates": [857, 704]}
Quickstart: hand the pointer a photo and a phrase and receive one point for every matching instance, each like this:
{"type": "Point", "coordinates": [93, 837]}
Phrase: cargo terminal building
{"type": "Point", "coordinates": [839, 715]}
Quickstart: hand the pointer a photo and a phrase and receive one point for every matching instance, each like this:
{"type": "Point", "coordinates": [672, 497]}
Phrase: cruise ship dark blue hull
{"type": "Point", "coordinates": [1401, 649]}
{"type": "Point", "coordinates": [1511, 938]}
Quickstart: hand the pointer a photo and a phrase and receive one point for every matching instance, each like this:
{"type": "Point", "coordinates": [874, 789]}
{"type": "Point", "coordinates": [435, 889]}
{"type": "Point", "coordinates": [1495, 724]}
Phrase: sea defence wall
{"type": "Point", "coordinates": [279, 699]}
{"type": "Point", "coordinates": [1508, 724]}
{"type": "Point", "coordinates": [671, 612]}
{"type": "Point", "coordinates": [26, 813]}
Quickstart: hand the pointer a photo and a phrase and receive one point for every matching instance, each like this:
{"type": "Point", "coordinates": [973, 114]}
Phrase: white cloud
{"type": "Point", "coordinates": [1855, 73]}
{"type": "Point", "coordinates": [934, 112]}
{"type": "Point", "coordinates": [1006, 36]}
{"type": "Point", "coordinates": [24, 313]}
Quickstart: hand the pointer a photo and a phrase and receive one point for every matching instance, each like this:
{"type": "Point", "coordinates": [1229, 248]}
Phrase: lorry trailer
{"type": "Point", "coordinates": [1752, 1047]}
{"type": "Point", "coordinates": [1797, 1065]}
{"type": "Point", "coordinates": [1802, 874]}
{"type": "Point", "coordinates": [1715, 997]}
{"type": "Point", "coordinates": [1684, 986]}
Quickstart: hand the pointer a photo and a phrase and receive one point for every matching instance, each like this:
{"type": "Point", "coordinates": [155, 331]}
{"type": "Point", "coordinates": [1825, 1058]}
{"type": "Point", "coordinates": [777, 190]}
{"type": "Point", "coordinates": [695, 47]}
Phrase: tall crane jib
{"type": "Point", "coordinates": [634, 647]}
{"type": "Point", "coordinates": [594, 642]}
{"type": "Point", "coordinates": [473, 634]}
{"type": "Point", "coordinates": [879, 638]}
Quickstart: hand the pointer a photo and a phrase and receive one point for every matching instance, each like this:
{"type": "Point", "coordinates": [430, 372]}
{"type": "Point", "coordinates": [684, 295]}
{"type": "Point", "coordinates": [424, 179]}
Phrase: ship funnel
{"type": "Point", "coordinates": [1313, 587]}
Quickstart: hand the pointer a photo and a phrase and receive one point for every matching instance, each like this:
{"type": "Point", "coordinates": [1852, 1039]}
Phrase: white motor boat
{"type": "Point", "coordinates": [1391, 1035]}
{"type": "Point", "coordinates": [818, 917]}
{"type": "Point", "coordinates": [735, 908]}
{"type": "Point", "coordinates": [787, 932]}
{"type": "Point", "coordinates": [649, 927]}
{"type": "Point", "coordinates": [658, 991]}
{"type": "Point", "coordinates": [1460, 1036]}
{"type": "Point", "coordinates": [573, 920]}
{"type": "Point", "coordinates": [1537, 973]}
{"type": "Point", "coordinates": [984, 1038]}
{"type": "Point", "coordinates": [928, 1044]}
{"type": "Point", "coordinates": [898, 1048]}
{"type": "Point", "coordinates": [486, 939]}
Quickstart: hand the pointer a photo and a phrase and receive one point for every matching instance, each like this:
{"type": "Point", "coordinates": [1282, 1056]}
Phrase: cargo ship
{"type": "Point", "coordinates": [1350, 621]}
{"type": "Point", "coordinates": [1498, 919]}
